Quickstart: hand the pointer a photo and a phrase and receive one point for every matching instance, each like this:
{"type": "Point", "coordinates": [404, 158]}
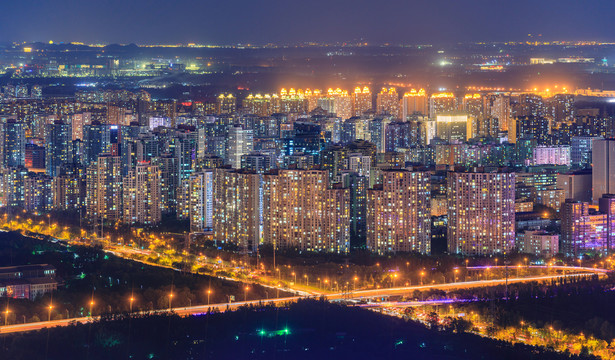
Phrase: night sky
{"type": "Point", "coordinates": [292, 21]}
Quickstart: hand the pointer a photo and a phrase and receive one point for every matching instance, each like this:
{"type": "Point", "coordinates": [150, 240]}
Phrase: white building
{"type": "Point", "coordinates": [201, 200]}
{"type": "Point", "coordinates": [538, 242]}
{"type": "Point", "coordinates": [240, 142]}
{"type": "Point", "coordinates": [552, 155]}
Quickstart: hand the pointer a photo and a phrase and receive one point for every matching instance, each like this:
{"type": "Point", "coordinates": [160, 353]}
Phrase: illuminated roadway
{"type": "Point", "coordinates": [359, 294]}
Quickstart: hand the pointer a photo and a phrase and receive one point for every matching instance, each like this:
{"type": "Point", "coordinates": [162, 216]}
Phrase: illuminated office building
{"type": "Point", "coordinates": [481, 212]}
{"type": "Point", "coordinates": [399, 213]}
{"type": "Point", "coordinates": [302, 212]}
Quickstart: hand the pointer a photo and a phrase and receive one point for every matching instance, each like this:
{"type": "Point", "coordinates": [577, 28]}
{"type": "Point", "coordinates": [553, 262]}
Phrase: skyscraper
{"type": "Point", "coordinates": [481, 212]}
{"type": "Point", "coordinates": [399, 213]}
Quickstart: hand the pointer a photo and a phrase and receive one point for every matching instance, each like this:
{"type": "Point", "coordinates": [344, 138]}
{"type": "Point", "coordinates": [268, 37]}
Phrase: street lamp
{"type": "Point", "coordinates": [50, 308]}
{"type": "Point", "coordinates": [91, 305]}
{"type": "Point", "coordinates": [132, 299]}
{"type": "Point", "coordinates": [422, 274]}
{"type": "Point", "coordinates": [355, 283]}
{"type": "Point", "coordinates": [295, 276]}
{"type": "Point", "coordinates": [456, 271]}
{"type": "Point", "coordinates": [208, 294]}
{"type": "Point", "coordinates": [245, 293]}
{"type": "Point", "coordinates": [6, 316]}
{"type": "Point", "coordinates": [307, 279]}
{"type": "Point", "coordinates": [170, 299]}
{"type": "Point", "coordinates": [394, 278]}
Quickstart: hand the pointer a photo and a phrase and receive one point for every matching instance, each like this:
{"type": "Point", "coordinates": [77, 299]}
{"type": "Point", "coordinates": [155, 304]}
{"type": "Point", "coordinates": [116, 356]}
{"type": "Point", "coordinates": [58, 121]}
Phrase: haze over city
{"type": "Point", "coordinates": [295, 22]}
{"type": "Point", "coordinates": [300, 180]}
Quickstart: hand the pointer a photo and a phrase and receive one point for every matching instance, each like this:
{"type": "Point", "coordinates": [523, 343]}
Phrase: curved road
{"type": "Point", "coordinates": [360, 294]}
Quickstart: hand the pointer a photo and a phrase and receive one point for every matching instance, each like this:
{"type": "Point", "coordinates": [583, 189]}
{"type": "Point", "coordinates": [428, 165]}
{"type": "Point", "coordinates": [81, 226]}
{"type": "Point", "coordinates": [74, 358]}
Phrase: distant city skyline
{"type": "Point", "coordinates": [241, 21]}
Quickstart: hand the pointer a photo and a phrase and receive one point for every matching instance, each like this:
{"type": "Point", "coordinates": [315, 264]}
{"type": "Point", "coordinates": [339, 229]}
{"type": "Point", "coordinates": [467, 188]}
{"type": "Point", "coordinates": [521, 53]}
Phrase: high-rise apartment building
{"type": "Point", "coordinates": [13, 139]}
{"type": "Point", "coordinates": [387, 102]}
{"type": "Point", "coordinates": [240, 142]}
{"type": "Point", "coordinates": [104, 189]}
{"type": "Point", "coordinates": [58, 147]}
{"type": "Point", "coordinates": [442, 103]}
{"type": "Point", "coordinates": [454, 127]}
{"type": "Point", "coordinates": [481, 212]}
{"type": "Point", "coordinates": [399, 213]}
{"type": "Point", "coordinates": [361, 101]}
{"type": "Point", "coordinates": [302, 212]}
{"type": "Point", "coordinates": [603, 161]}
{"type": "Point", "coordinates": [141, 192]}
{"type": "Point", "coordinates": [236, 212]}
{"type": "Point", "coordinates": [414, 102]}
{"type": "Point", "coordinates": [226, 104]}
{"type": "Point", "coordinates": [201, 200]}
{"type": "Point", "coordinates": [586, 231]}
